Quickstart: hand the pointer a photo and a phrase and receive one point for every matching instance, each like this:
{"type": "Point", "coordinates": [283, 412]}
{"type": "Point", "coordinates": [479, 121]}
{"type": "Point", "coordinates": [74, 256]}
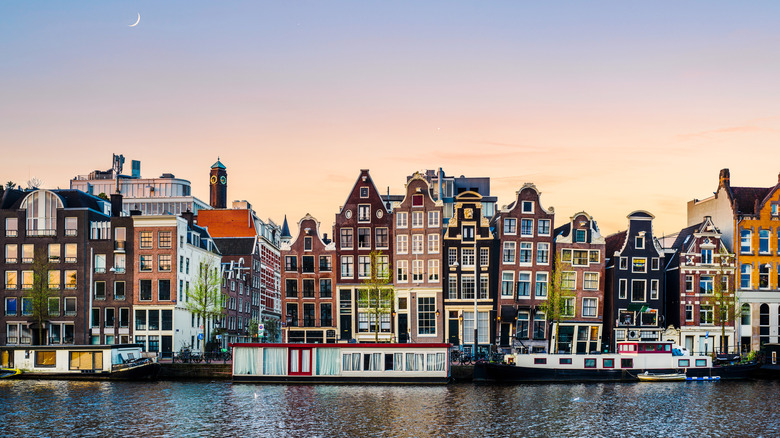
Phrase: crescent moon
{"type": "Point", "coordinates": [136, 22]}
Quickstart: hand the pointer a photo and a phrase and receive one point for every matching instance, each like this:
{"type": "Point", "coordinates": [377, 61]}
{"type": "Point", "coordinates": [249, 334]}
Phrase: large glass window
{"type": "Point", "coordinates": [507, 284]}
{"type": "Point", "coordinates": [541, 284]}
{"type": "Point", "coordinates": [510, 225]}
{"type": "Point", "coordinates": [526, 227]}
{"type": "Point", "coordinates": [744, 240]}
{"type": "Point", "coordinates": [426, 315]}
{"type": "Point", "coordinates": [746, 270]}
{"type": "Point", "coordinates": [509, 252]}
{"type": "Point", "coordinates": [706, 284]}
{"type": "Point", "coordinates": [145, 239]}
{"type": "Point", "coordinates": [433, 271]}
{"type": "Point", "coordinates": [763, 241]}
{"type": "Point", "coordinates": [164, 290]}
{"type": "Point", "coordinates": [589, 307]}
{"type": "Point", "coordinates": [364, 238]}
{"type": "Point", "coordinates": [145, 290]}
{"type": "Point", "coordinates": [41, 208]}
{"type": "Point", "coordinates": [591, 281]}
{"type": "Point", "coordinates": [638, 290]}
{"type": "Point", "coordinates": [347, 241]}
{"type": "Point", "coordinates": [523, 284]}
{"type": "Point", "coordinates": [542, 253]}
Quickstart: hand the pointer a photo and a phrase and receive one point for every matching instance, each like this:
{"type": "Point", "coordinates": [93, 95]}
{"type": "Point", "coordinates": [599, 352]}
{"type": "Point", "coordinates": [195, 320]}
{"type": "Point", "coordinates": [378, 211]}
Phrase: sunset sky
{"type": "Point", "coordinates": [607, 107]}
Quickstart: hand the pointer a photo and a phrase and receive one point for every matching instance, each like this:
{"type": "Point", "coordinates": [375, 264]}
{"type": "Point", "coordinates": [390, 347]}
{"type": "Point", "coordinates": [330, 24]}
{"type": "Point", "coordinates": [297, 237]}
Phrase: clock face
{"type": "Point", "coordinates": [223, 179]}
{"type": "Point", "coordinates": [213, 179]}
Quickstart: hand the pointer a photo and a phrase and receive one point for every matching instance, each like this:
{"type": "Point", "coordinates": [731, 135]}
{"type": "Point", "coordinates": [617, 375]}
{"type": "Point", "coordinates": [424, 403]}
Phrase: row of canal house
{"type": "Point", "coordinates": [117, 277]}
{"type": "Point", "coordinates": [463, 268]}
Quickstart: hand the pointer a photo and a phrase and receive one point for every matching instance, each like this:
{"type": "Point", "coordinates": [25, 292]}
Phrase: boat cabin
{"type": "Point", "coordinates": [69, 359]}
{"type": "Point", "coordinates": [330, 363]}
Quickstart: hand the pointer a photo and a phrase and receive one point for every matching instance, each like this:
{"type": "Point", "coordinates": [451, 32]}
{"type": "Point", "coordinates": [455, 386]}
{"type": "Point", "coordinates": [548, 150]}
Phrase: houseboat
{"type": "Point", "coordinates": [770, 362]}
{"type": "Point", "coordinates": [79, 362]}
{"type": "Point", "coordinates": [341, 363]}
{"type": "Point", "coordinates": [633, 358]}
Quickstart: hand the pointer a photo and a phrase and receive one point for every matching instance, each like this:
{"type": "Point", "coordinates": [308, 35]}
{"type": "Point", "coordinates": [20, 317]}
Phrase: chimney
{"type": "Point", "coordinates": [189, 216]}
{"type": "Point", "coordinates": [325, 239]}
{"type": "Point", "coordinates": [116, 204]}
{"type": "Point", "coordinates": [724, 179]}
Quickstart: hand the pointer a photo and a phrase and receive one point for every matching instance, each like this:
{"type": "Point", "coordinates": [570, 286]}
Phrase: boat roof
{"type": "Point", "coordinates": [344, 345]}
{"type": "Point", "coordinates": [71, 347]}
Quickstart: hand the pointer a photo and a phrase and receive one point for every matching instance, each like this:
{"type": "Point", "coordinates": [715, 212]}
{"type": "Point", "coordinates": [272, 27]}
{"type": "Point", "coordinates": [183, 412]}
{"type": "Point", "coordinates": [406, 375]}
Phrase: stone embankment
{"type": "Point", "coordinates": [191, 371]}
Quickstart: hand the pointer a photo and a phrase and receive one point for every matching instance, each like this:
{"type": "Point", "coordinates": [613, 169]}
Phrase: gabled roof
{"type": "Point", "coordinates": [746, 199]}
{"type": "Point", "coordinates": [228, 223]}
{"type": "Point", "coordinates": [235, 245]}
{"type": "Point", "coordinates": [364, 173]}
{"type": "Point", "coordinates": [683, 237]}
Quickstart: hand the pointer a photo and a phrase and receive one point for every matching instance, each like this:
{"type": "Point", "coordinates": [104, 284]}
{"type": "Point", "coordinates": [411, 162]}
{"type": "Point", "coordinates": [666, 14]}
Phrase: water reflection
{"type": "Point", "coordinates": [55, 408]}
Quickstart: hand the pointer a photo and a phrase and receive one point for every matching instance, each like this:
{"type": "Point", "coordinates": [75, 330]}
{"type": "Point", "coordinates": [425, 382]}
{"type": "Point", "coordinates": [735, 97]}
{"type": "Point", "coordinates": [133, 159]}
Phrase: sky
{"type": "Point", "coordinates": [608, 107]}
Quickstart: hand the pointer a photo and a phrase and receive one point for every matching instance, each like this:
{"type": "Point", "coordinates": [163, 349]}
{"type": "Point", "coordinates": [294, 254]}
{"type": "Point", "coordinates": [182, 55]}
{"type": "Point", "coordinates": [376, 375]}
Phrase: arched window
{"type": "Point", "coordinates": [41, 208]}
{"type": "Point", "coordinates": [763, 322]}
{"type": "Point", "coordinates": [745, 314]}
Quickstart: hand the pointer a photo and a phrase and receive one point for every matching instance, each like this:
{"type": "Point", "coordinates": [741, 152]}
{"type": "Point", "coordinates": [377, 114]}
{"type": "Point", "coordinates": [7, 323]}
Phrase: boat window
{"type": "Point", "coordinates": [650, 348]}
{"type": "Point", "coordinates": [86, 360]}
{"type": "Point", "coordinates": [540, 360]}
{"type": "Point", "coordinates": [565, 361]}
{"type": "Point", "coordinates": [701, 362]}
{"type": "Point", "coordinates": [389, 362]}
{"type": "Point", "coordinates": [609, 363]}
{"type": "Point", "coordinates": [668, 347]}
{"type": "Point", "coordinates": [45, 358]}
{"type": "Point", "coordinates": [415, 361]}
{"type": "Point", "coordinates": [683, 362]}
{"type": "Point", "coordinates": [590, 363]}
{"type": "Point", "coordinates": [398, 364]}
{"type": "Point", "coordinates": [355, 361]}
{"type": "Point", "coordinates": [435, 362]}
{"type": "Point", "coordinates": [371, 361]}
{"type": "Point", "coordinates": [346, 362]}
{"type": "Point", "coordinates": [626, 363]}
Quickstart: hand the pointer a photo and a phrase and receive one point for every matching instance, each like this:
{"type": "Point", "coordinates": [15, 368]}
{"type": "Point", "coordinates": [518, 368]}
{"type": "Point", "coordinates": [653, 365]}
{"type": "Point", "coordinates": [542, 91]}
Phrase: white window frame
{"type": "Point", "coordinates": [595, 307]}
{"type": "Point", "coordinates": [433, 219]}
{"type": "Point", "coordinates": [433, 243]}
{"type": "Point", "coordinates": [402, 244]}
{"type": "Point", "coordinates": [401, 219]}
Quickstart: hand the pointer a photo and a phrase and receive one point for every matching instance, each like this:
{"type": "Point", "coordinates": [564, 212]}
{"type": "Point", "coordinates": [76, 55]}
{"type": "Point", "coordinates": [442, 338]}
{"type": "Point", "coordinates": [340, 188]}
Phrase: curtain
{"type": "Point", "coordinates": [420, 362]}
{"type": "Point", "coordinates": [431, 362]}
{"type": "Point", "coordinates": [356, 362]}
{"type": "Point", "coordinates": [274, 361]}
{"type": "Point", "coordinates": [346, 363]}
{"type": "Point", "coordinates": [398, 362]}
{"type": "Point", "coordinates": [246, 360]}
{"type": "Point", "coordinates": [409, 361]}
{"type": "Point", "coordinates": [328, 361]}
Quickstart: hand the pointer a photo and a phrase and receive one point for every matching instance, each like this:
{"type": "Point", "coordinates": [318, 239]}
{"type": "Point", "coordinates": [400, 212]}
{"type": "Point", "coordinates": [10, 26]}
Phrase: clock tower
{"type": "Point", "coordinates": [218, 185]}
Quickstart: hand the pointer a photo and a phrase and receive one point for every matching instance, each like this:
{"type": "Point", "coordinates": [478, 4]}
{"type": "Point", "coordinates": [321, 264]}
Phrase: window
{"type": "Point", "coordinates": [484, 287]}
{"type": "Point", "coordinates": [705, 315]}
{"type": "Point", "coordinates": [433, 271]}
{"type": "Point", "coordinates": [307, 262]}
{"type": "Point", "coordinates": [417, 243]}
{"type": "Point", "coordinates": [510, 225]}
{"type": "Point", "coordinates": [590, 281]}
{"type": "Point", "coordinates": [763, 275]}
{"type": "Point", "coordinates": [541, 284]}
{"type": "Point", "coordinates": [54, 279]}
{"type": "Point", "coordinates": [527, 207]}
{"type": "Point", "coordinates": [433, 219]}
{"type": "Point", "coordinates": [28, 253]}
{"type": "Point", "coordinates": [568, 280]}
{"type": "Point", "coordinates": [417, 219]}
{"type": "Point", "coordinates": [164, 239]}
{"type": "Point", "coordinates": [364, 266]}
{"type": "Point", "coordinates": [100, 263]}
{"type": "Point", "coordinates": [326, 290]}
{"type": "Point", "coordinates": [418, 273]}
{"type": "Point", "coordinates": [608, 363]}
{"type": "Point", "coordinates": [638, 264]}
{"type": "Point", "coordinates": [484, 257]}
{"type": "Point", "coordinates": [70, 279]}
{"type": "Point", "coordinates": [145, 262]}
{"type": "Point", "coordinates": [433, 244]}
{"type": "Point", "coordinates": [347, 238]}
{"type": "Point", "coordinates": [291, 263]}
{"type": "Point", "coordinates": [626, 363]}
{"type": "Point", "coordinates": [509, 252]}
{"type": "Point", "coordinates": [308, 315]}
{"type": "Point", "coordinates": [11, 227]}
{"type": "Point", "coordinates": [763, 241]}
{"type": "Point", "coordinates": [523, 284]}
{"type": "Point", "coordinates": [526, 227]}
{"type": "Point", "coordinates": [164, 290]}
{"type": "Point", "coordinates": [639, 242]}
{"type": "Point", "coordinates": [654, 289]}
{"type": "Point", "coordinates": [347, 268]}
{"type": "Point", "coordinates": [11, 306]}
{"type": "Point", "coordinates": [526, 252]}
{"type": "Point", "coordinates": [41, 208]}
{"type": "Point", "coordinates": [507, 284]}
{"type": "Point", "coordinates": [468, 233]}
{"type": "Point", "coordinates": [109, 317]}
{"type": "Point", "coordinates": [119, 290]}
{"type": "Point", "coordinates": [11, 280]}
{"type": "Point", "coordinates": [467, 287]}
{"type": "Point", "coordinates": [706, 256]}
{"type": "Point", "coordinates": [100, 290]}
{"type": "Point", "coordinates": [145, 239]}
{"type": "Point", "coordinates": [12, 253]}
{"type": "Point", "coordinates": [744, 314]}
{"type": "Point", "coordinates": [568, 307]}
{"type": "Point", "coordinates": [544, 227]}
{"type": "Point", "coordinates": [401, 219]}
{"type": "Point", "coordinates": [746, 270]}
{"type": "Point", "coordinates": [154, 320]}
{"type": "Point", "coordinates": [579, 258]}
{"type": "Point", "coordinates": [589, 307]}
{"type": "Point", "coordinates": [542, 253]}
{"type": "Point", "coordinates": [364, 213]}
{"type": "Point", "coordinates": [624, 263]}
{"type": "Point", "coordinates": [402, 267]}
{"type": "Point", "coordinates": [325, 263]}
{"type": "Point", "coordinates": [120, 264]}
{"type": "Point", "coordinates": [27, 279]}
{"type": "Point", "coordinates": [706, 284]}
{"type": "Point", "coordinates": [47, 359]}
{"type": "Point", "coordinates": [580, 236]}
{"type": "Point", "coordinates": [70, 306]}
{"type": "Point", "coordinates": [452, 256]}
{"type": "Point", "coordinates": [145, 290]}
{"type": "Point", "coordinates": [689, 312]}
{"type": "Point", "coordinates": [382, 240]}
{"type": "Point", "coordinates": [744, 238]}
{"type": "Point", "coordinates": [426, 316]}
{"type": "Point", "coordinates": [689, 283]}
{"type": "Point", "coordinates": [307, 242]}
{"type": "Point", "coordinates": [27, 306]}
{"type": "Point", "coordinates": [637, 290]}
{"type": "Point", "coordinates": [467, 256]}
{"type": "Point", "coordinates": [364, 192]}
{"type": "Point", "coordinates": [291, 288]}
{"type": "Point", "coordinates": [401, 244]}
{"type": "Point", "coordinates": [364, 238]}
{"type": "Point", "coordinates": [164, 263]}
{"type": "Point", "coordinates": [594, 256]}
{"type": "Point", "coordinates": [452, 286]}
{"type": "Point", "coordinates": [539, 325]}
{"type": "Point", "coordinates": [326, 315]}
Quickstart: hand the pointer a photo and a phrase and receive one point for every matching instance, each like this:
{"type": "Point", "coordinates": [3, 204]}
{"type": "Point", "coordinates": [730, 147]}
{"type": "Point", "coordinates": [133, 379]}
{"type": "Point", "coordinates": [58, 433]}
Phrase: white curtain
{"type": "Point", "coordinates": [247, 360]}
{"type": "Point", "coordinates": [356, 362]}
{"type": "Point", "coordinates": [274, 361]}
{"type": "Point", "coordinates": [294, 354]}
{"type": "Point", "coordinates": [440, 357]}
{"type": "Point", "coordinates": [346, 364]}
{"type": "Point", "coordinates": [328, 361]}
{"type": "Point", "coordinates": [410, 362]}
{"type": "Point", "coordinates": [420, 359]}
{"type": "Point", "coordinates": [398, 361]}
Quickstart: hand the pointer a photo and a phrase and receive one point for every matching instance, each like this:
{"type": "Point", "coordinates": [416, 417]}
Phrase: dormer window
{"type": "Point", "coordinates": [307, 243]}
{"type": "Point", "coordinates": [706, 256]}
{"type": "Point", "coordinates": [639, 242]}
{"type": "Point", "coordinates": [364, 192]}
{"type": "Point", "coordinates": [527, 207]}
{"type": "Point", "coordinates": [580, 235]}
{"type": "Point", "coordinates": [417, 200]}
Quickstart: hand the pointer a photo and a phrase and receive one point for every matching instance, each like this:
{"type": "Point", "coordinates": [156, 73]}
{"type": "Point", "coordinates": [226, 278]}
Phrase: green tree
{"type": "Point", "coordinates": [10, 185]}
{"type": "Point", "coordinates": [38, 293]}
{"type": "Point", "coordinates": [377, 295]}
{"type": "Point", "coordinates": [557, 306]}
{"type": "Point", "coordinates": [271, 330]}
{"type": "Point", "coordinates": [723, 299]}
{"type": "Point", "coordinates": [206, 300]}
{"type": "Point", "coordinates": [102, 195]}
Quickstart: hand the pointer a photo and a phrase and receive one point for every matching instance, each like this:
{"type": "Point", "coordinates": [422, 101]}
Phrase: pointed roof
{"type": "Point", "coordinates": [218, 165]}
{"type": "Point", "coordinates": [285, 229]}
{"type": "Point", "coordinates": [228, 223]}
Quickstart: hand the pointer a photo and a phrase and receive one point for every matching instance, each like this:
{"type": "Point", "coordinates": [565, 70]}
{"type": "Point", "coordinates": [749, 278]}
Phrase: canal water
{"type": "Point", "coordinates": [195, 409]}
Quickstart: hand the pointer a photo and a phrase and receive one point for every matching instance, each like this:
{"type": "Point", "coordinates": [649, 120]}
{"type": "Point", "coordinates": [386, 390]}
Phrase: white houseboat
{"type": "Point", "coordinates": [79, 362]}
{"type": "Point", "coordinates": [341, 363]}
{"type": "Point", "coordinates": [632, 359]}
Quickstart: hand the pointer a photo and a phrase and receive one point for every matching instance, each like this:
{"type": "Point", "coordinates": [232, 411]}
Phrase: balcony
{"type": "Point", "coordinates": [11, 233]}
{"type": "Point", "coordinates": [27, 259]}
{"type": "Point", "coordinates": [11, 260]}
{"type": "Point", "coordinates": [71, 233]}
{"type": "Point", "coordinates": [100, 270]}
{"type": "Point", "coordinates": [41, 233]}
{"type": "Point", "coordinates": [70, 260]}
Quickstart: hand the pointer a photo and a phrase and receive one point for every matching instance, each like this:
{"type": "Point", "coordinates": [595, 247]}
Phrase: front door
{"type": "Point", "coordinates": [346, 327]}
{"type": "Point", "coordinates": [504, 338]}
{"type": "Point", "coordinates": [403, 328]}
{"type": "Point", "coordinates": [454, 339]}
{"type": "Point", "coordinates": [299, 362]}
{"type": "Point", "coordinates": [167, 347]}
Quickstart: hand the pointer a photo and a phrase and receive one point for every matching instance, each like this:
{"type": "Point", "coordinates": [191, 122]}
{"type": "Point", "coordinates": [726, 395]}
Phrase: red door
{"type": "Point", "coordinates": [299, 362]}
